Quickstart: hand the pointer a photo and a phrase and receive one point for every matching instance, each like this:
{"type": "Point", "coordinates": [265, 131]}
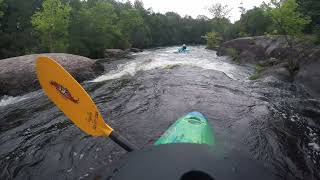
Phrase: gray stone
{"type": "Point", "coordinates": [115, 53]}
{"type": "Point", "coordinates": [279, 72]}
{"type": "Point", "coordinates": [258, 48]}
{"type": "Point", "coordinates": [246, 57]}
{"type": "Point", "coordinates": [135, 50]}
{"type": "Point", "coordinates": [309, 73]}
{"type": "Point", "coordinates": [18, 75]}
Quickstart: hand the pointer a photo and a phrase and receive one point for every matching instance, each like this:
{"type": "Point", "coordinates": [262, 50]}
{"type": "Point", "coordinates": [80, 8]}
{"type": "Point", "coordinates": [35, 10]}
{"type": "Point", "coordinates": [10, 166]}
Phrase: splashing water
{"type": "Point", "coordinates": [168, 59]}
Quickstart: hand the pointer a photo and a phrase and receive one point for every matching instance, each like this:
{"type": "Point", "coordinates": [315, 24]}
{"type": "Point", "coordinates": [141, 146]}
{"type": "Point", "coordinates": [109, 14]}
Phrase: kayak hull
{"type": "Point", "coordinates": [191, 128]}
{"type": "Point", "coordinates": [183, 50]}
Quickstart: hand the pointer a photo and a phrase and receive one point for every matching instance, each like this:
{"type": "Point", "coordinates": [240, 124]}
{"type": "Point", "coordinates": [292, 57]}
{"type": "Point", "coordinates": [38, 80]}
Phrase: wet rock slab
{"type": "Point", "coordinates": [18, 75]}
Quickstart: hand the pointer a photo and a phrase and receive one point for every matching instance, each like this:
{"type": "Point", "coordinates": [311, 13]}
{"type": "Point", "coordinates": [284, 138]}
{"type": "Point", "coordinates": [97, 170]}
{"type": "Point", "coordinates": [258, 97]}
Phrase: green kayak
{"type": "Point", "coordinates": [191, 128]}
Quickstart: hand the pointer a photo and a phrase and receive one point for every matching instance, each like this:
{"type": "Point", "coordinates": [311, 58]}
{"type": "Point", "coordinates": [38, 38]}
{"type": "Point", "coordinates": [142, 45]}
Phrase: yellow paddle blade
{"type": "Point", "coordinates": [70, 97]}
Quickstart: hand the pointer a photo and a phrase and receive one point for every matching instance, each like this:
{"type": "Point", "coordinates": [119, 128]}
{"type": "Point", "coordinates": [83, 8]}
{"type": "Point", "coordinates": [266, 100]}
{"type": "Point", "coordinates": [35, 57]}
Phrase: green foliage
{"type": "Point", "coordinates": [222, 26]}
{"type": "Point", "coordinates": [133, 28]}
{"type": "Point", "coordinates": [288, 20]}
{"type": "Point", "coordinates": [52, 23]}
{"type": "Point", "coordinates": [232, 52]}
{"type": "Point", "coordinates": [254, 77]}
{"type": "Point", "coordinates": [16, 31]}
{"type": "Point", "coordinates": [213, 40]}
{"type": "Point", "coordinates": [92, 29]}
{"type": "Point", "coordinates": [88, 27]}
{"type": "Point", "coordinates": [258, 70]}
{"type": "Point", "coordinates": [254, 23]}
{"type": "Point", "coordinates": [310, 8]}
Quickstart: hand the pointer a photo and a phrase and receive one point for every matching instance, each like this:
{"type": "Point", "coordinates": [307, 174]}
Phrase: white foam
{"type": "Point", "coordinates": [6, 100]}
{"type": "Point", "coordinates": [315, 146]}
{"type": "Point", "coordinates": [162, 61]}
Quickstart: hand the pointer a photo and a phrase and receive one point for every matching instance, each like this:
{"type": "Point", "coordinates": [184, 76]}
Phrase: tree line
{"type": "Point", "coordinates": [295, 19]}
{"type": "Point", "coordinates": [87, 27]}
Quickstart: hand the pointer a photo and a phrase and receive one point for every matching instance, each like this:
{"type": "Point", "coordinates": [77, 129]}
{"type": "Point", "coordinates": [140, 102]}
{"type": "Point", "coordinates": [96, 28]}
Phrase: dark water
{"type": "Point", "coordinates": [275, 122]}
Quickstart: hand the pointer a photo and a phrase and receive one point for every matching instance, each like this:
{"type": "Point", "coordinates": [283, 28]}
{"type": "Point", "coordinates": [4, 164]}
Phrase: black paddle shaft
{"type": "Point", "coordinates": [121, 141]}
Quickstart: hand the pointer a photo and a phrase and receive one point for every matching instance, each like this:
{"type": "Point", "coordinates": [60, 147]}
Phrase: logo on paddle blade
{"type": "Point", "coordinates": [92, 119]}
{"type": "Point", "coordinates": [64, 91]}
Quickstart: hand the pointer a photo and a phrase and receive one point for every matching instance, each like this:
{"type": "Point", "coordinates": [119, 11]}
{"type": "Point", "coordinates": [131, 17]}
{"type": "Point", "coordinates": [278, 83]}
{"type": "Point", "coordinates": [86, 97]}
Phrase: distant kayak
{"type": "Point", "coordinates": [180, 50]}
{"type": "Point", "coordinates": [191, 128]}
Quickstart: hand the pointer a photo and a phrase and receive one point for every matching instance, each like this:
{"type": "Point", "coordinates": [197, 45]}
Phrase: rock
{"type": "Point", "coordinates": [135, 50]}
{"type": "Point", "coordinates": [239, 44]}
{"type": "Point", "coordinates": [115, 53]}
{"type": "Point", "coordinates": [279, 72]}
{"type": "Point", "coordinates": [270, 62]}
{"type": "Point", "coordinates": [309, 72]}
{"type": "Point", "coordinates": [258, 48]}
{"type": "Point", "coordinates": [284, 53]}
{"type": "Point", "coordinates": [18, 75]}
{"type": "Point", "coordinates": [246, 57]}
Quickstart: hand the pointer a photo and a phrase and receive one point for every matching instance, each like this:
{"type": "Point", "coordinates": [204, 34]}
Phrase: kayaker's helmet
{"type": "Point", "coordinates": [184, 45]}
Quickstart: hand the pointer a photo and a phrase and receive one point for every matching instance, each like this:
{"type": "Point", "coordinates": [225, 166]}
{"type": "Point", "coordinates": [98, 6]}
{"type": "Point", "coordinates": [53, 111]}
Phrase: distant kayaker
{"type": "Point", "coordinates": [184, 47]}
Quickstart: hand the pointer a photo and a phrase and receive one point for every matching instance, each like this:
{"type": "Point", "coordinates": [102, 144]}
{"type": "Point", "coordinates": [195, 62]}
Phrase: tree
{"type": "Point", "coordinates": [213, 40]}
{"type": "Point", "coordinates": [219, 11]}
{"type": "Point", "coordinates": [16, 31]}
{"type": "Point", "coordinates": [254, 22]}
{"type": "Point", "coordinates": [289, 21]}
{"type": "Point", "coordinates": [242, 9]}
{"type": "Point", "coordinates": [94, 28]}
{"type": "Point", "coordinates": [132, 26]}
{"type": "Point", "coordinates": [52, 23]}
{"type": "Point", "coordinates": [220, 21]}
{"type": "Point", "coordinates": [310, 8]}
{"type": "Point", "coordinates": [220, 25]}
{"type": "Point", "coordinates": [202, 18]}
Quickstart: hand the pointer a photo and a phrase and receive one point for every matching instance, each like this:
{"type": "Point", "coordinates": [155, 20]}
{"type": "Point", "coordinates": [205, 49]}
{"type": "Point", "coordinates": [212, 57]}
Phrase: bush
{"type": "Point", "coordinates": [258, 70]}
{"type": "Point", "coordinates": [232, 52]}
{"type": "Point", "coordinates": [213, 40]}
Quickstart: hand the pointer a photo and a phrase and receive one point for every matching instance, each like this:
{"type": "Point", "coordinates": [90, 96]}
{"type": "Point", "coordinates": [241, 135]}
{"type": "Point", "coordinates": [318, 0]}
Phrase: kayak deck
{"type": "Point", "coordinates": [191, 128]}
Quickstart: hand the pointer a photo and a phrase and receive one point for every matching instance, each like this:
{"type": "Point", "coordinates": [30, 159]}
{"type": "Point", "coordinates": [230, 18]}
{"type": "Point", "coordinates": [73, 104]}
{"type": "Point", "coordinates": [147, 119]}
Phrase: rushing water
{"type": "Point", "coordinates": [269, 120]}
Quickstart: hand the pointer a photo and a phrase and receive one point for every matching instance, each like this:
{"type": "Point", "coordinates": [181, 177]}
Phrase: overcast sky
{"type": "Point", "coordinates": [198, 7]}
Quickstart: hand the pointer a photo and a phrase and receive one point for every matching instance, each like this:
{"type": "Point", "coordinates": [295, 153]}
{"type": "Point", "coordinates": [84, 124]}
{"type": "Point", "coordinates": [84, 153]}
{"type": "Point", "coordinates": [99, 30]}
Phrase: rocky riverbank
{"type": "Point", "coordinates": [272, 57]}
{"type": "Point", "coordinates": [18, 75]}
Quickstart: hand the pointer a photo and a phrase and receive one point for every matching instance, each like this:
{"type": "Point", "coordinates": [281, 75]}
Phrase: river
{"type": "Point", "coordinates": [274, 122]}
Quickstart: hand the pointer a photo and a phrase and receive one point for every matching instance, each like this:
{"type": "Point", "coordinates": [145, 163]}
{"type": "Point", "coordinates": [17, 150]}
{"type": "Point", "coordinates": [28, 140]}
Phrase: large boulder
{"type": "Point", "coordinates": [257, 49]}
{"type": "Point", "coordinates": [309, 72]}
{"type": "Point", "coordinates": [247, 45]}
{"type": "Point", "coordinates": [115, 53]}
{"type": "Point", "coordinates": [18, 75]}
{"type": "Point", "coordinates": [279, 72]}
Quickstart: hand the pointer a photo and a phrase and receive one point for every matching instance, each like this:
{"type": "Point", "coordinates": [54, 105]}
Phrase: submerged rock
{"type": "Point", "coordinates": [18, 74]}
{"type": "Point", "coordinates": [135, 50]}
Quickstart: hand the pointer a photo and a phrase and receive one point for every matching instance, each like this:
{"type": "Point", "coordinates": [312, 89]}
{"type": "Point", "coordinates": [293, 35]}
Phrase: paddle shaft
{"type": "Point", "coordinates": [122, 142]}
